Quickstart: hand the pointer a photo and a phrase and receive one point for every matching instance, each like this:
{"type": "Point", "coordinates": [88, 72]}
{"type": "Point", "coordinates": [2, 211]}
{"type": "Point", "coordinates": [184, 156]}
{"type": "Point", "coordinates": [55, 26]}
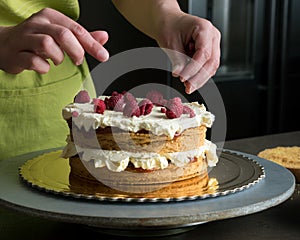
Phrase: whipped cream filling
{"type": "Point", "coordinates": [155, 122]}
{"type": "Point", "coordinates": [118, 161]}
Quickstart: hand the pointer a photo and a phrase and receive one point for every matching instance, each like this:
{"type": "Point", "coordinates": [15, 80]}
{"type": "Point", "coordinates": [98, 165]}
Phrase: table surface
{"type": "Point", "coordinates": [279, 222]}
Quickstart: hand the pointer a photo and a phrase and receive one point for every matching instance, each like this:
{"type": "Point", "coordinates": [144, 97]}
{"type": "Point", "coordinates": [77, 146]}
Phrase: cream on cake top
{"type": "Point", "coordinates": [155, 122]}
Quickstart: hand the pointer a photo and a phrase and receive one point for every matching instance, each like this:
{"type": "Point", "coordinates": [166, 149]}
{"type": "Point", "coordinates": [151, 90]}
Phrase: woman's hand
{"type": "Point", "coordinates": [196, 38]}
{"type": "Point", "coordinates": [47, 35]}
{"type": "Point", "coordinates": [189, 37]}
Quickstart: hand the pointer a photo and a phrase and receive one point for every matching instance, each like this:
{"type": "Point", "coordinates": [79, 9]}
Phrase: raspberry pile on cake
{"type": "Point", "coordinates": [127, 140]}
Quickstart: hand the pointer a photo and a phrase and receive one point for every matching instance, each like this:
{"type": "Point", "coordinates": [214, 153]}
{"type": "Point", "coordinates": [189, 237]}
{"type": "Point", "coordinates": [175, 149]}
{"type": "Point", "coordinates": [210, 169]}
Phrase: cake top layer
{"type": "Point", "coordinates": [156, 121]}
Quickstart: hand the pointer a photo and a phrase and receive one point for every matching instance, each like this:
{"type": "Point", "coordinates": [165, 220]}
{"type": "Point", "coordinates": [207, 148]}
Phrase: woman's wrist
{"type": "Point", "coordinates": [164, 14]}
{"type": "Point", "coordinates": [152, 17]}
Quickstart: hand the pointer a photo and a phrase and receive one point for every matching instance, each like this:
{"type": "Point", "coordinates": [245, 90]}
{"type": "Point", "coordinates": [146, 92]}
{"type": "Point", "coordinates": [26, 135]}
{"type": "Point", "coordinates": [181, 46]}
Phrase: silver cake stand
{"type": "Point", "coordinates": [146, 218]}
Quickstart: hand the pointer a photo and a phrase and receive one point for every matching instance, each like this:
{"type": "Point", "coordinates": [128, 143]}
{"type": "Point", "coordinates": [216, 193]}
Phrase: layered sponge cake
{"type": "Point", "coordinates": [121, 139]}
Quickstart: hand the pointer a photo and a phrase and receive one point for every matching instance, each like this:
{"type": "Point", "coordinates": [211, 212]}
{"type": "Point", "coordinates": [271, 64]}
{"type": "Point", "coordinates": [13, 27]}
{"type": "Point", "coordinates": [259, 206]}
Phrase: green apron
{"type": "Point", "coordinates": [31, 104]}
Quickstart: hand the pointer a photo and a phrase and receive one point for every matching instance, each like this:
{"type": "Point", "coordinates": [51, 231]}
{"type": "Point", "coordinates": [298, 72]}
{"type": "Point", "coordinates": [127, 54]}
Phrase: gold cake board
{"type": "Point", "coordinates": [50, 172]}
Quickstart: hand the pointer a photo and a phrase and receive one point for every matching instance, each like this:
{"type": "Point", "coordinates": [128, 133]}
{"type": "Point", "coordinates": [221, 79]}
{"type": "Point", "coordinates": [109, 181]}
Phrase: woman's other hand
{"type": "Point", "coordinates": [48, 35]}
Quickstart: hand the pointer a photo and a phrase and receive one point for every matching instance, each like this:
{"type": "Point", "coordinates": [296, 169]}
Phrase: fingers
{"type": "Point", "coordinates": [206, 71]}
{"type": "Point", "coordinates": [89, 44]}
{"type": "Point", "coordinates": [202, 54]}
{"type": "Point", "coordinates": [83, 37]}
{"type": "Point", "coordinates": [100, 36]}
{"type": "Point", "coordinates": [70, 36]}
{"type": "Point", "coordinates": [178, 60]}
{"type": "Point", "coordinates": [30, 61]}
{"type": "Point", "coordinates": [44, 46]}
{"type": "Point", "coordinates": [65, 39]}
{"type": "Point", "coordinates": [204, 62]}
{"type": "Point", "coordinates": [196, 45]}
{"type": "Point", "coordinates": [197, 81]}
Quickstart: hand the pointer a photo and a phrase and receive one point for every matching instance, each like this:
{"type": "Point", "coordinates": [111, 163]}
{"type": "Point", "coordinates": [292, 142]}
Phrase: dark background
{"type": "Point", "coordinates": [262, 99]}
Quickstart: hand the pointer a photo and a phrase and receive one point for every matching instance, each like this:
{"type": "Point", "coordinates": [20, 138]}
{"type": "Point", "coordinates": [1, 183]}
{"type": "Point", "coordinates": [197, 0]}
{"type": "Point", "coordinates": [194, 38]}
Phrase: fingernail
{"type": "Point", "coordinates": [188, 87]}
{"type": "Point", "coordinates": [176, 70]}
{"type": "Point", "coordinates": [175, 74]}
{"type": "Point", "coordinates": [79, 62]}
{"type": "Point", "coordinates": [189, 91]}
{"type": "Point", "coordinates": [184, 79]}
{"type": "Point", "coordinates": [192, 89]}
{"type": "Point", "coordinates": [103, 55]}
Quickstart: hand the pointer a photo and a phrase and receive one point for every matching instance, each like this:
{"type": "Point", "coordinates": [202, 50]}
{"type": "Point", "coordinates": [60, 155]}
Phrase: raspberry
{"type": "Point", "coordinates": [115, 102]}
{"type": "Point", "coordinates": [145, 106]}
{"type": "Point", "coordinates": [82, 97]}
{"type": "Point", "coordinates": [131, 109]}
{"type": "Point", "coordinates": [174, 108]}
{"type": "Point", "coordinates": [128, 97]}
{"type": "Point", "coordinates": [156, 97]}
{"type": "Point", "coordinates": [170, 114]}
{"type": "Point", "coordinates": [114, 93]}
{"type": "Point", "coordinates": [188, 110]}
{"type": "Point", "coordinates": [163, 110]}
{"type": "Point", "coordinates": [99, 105]}
{"type": "Point", "coordinates": [75, 114]}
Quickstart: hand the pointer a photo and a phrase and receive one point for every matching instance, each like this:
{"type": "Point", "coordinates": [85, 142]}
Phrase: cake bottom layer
{"type": "Point", "coordinates": [193, 187]}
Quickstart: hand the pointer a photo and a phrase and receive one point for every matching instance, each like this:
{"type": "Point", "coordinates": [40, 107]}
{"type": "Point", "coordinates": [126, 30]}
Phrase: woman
{"type": "Point", "coordinates": [42, 63]}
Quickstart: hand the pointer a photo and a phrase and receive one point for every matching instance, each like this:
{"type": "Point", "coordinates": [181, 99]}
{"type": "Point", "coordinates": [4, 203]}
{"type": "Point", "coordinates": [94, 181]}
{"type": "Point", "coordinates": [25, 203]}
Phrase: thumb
{"type": "Point", "coordinates": [100, 36]}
